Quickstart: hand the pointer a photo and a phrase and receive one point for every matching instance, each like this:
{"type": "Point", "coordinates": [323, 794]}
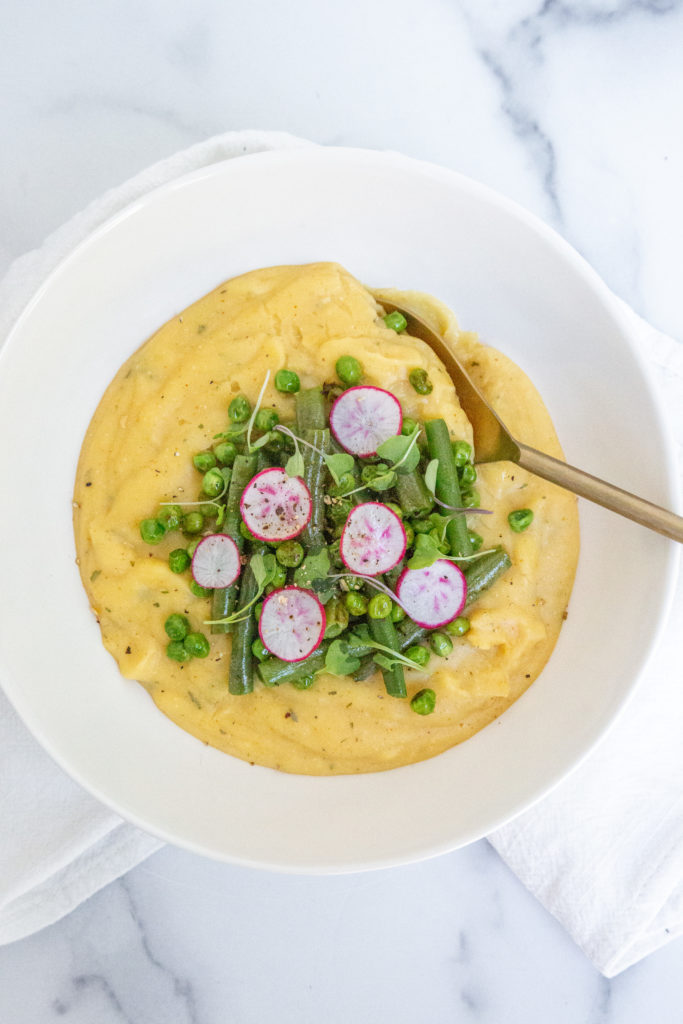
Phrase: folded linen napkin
{"type": "Point", "coordinates": [611, 872]}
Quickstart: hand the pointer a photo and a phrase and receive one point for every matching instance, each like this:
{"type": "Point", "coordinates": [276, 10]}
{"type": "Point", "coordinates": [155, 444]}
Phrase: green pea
{"type": "Point", "coordinates": [470, 499]}
{"type": "Point", "coordinates": [396, 509]}
{"type": "Point", "coordinates": [349, 370]}
{"type": "Point", "coordinates": [459, 626]}
{"type": "Point", "coordinates": [225, 452]}
{"type": "Point", "coordinates": [420, 381]}
{"type": "Point", "coordinates": [152, 531]}
{"type": "Point", "coordinates": [379, 606]}
{"type": "Point", "coordinates": [266, 419]}
{"type": "Point", "coordinates": [170, 517]}
{"type": "Point", "coordinates": [347, 482]}
{"type": "Point", "coordinates": [204, 461]}
{"type": "Point", "coordinates": [467, 474]}
{"type": "Point", "coordinates": [259, 649]}
{"type": "Point", "coordinates": [258, 608]}
{"type": "Point", "coordinates": [395, 321]}
{"type": "Point", "coordinates": [476, 540]}
{"type": "Point", "coordinates": [200, 591]}
{"type": "Point", "coordinates": [441, 644]}
{"type": "Point", "coordinates": [419, 654]}
{"type": "Point", "coordinates": [304, 683]}
{"type": "Point", "coordinates": [397, 613]}
{"type": "Point", "coordinates": [193, 545]}
{"type": "Point", "coordinates": [193, 522]}
{"type": "Point", "coordinates": [424, 702]}
{"type": "Point", "coordinates": [335, 557]}
{"type": "Point", "coordinates": [353, 583]}
{"type": "Point", "coordinates": [239, 409]}
{"type": "Point", "coordinates": [210, 510]}
{"type": "Point", "coordinates": [520, 519]}
{"type": "Point", "coordinates": [177, 627]}
{"type": "Point", "coordinates": [408, 426]}
{"type": "Point", "coordinates": [356, 604]}
{"type": "Point", "coordinates": [290, 554]}
{"type": "Point", "coordinates": [176, 651]}
{"type": "Point", "coordinates": [410, 534]}
{"type": "Point", "coordinates": [338, 510]}
{"type": "Point", "coordinates": [196, 645]}
{"type": "Point", "coordinates": [179, 560]}
{"type": "Point", "coordinates": [246, 532]}
{"type": "Point", "coordinates": [462, 452]}
{"type": "Point", "coordinates": [213, 483]}
{"type": "Point", "coordinates": [287, 382]}
{"type": "Point", "coordinates": [280, 575]}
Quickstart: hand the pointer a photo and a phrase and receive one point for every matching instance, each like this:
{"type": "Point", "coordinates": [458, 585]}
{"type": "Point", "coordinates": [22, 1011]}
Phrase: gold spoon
{"type": "Point", "coordinates": [493, 442]}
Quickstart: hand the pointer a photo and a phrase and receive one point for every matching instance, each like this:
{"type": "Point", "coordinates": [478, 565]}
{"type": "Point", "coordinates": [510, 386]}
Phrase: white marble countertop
{"type": "Point", "coordinates": [574, 110]}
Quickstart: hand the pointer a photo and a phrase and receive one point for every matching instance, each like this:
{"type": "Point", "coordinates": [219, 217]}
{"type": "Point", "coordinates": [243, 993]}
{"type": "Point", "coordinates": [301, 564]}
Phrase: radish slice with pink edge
{"type": "Point", "coordinates": [275, 506]}
{"type": "Point", "coordinates": [373, 539]}
{"type": "Point", "coordinates": [432, 596]}
{"type": "Point", "coordinates": [363, 417]}
{"type": "Point", "coordinates": [292, 623]}
{"type": "Point", "coordinates": [216, 561]}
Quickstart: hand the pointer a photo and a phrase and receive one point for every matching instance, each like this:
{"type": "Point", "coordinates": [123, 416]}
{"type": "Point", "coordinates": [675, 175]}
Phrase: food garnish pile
{"type": "Point", "coordinates": [337, 542]}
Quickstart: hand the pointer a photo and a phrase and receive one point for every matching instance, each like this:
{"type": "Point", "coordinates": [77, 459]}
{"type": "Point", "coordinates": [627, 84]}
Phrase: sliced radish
{"type": "Point", "coordinates": [292, 623]}
{"type": "Point", "coordinates": [216, 561]}
{"type": "Point", "coordinates": [363, 417]}
{"type": "Point", "coordinates": [373, 539]}
{"type": "Point", "coordinates": [275, 506]}
{"type": "Point", "coordinates": [433, 596]}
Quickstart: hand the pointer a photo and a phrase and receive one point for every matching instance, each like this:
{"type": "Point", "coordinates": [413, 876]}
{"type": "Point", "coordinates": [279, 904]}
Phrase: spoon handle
{"type": "Point", "coordinates": [607, 495]}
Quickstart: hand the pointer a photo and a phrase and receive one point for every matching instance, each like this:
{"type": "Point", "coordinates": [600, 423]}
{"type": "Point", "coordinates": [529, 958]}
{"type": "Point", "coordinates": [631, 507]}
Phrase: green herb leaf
{"type": "Point", "coordinates": [264, 568]}
{"type": "Point", "coordinates": [384, 662]}
{"type": "Point", "coordinates": [361, 635]}
{"type": "Point", "coordinates": [312, 570]}
{"type": "Point", "coordinates": [339, 464]}
{"type": "Point", "coordinates": [295, 465]}
{"type": "Point", "coordinates": [382, 482]}
{"type": "Point", "coordinates": [430, 475]}
{"type": "Point", "coordinates": [338, 660]}
{"type": "Point", "coordinates": [402, 451]}
{"type": "Point", "coordinates": [264, 439]}
{"type": "Point", "coordinates": [426, 552]}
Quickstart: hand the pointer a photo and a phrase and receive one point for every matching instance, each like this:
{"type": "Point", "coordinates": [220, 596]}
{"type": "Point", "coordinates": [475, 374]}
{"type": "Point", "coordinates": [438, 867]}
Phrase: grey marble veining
{"type": "Point", "coordinates": [571, 107]}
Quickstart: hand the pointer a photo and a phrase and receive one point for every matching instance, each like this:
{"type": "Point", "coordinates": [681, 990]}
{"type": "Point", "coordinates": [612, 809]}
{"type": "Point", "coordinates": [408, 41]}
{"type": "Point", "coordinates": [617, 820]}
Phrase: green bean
{"type": "Point", "coordinates": [480, 575]}
{"type": "Point", "coordinates": [483, 573]}
{"type": "Point", "coordinates": [447, 485]}
{"type": "Point", "coordinates": [224, 599]}
{"type": "Point", "coordinates": [241, 672]}
{"type": "Point", "coordinates": [413, 495]}
{"type": "Point", "coordinates": [315, 472]}
{"type": "Point", "coordinates": [274, 672]}
{"type": "Point", "coordinates": [310, 410]}
{"type": "Point", "coordinates": [384, 632]}
{"type": "Point", "coordinates": [336, 618]}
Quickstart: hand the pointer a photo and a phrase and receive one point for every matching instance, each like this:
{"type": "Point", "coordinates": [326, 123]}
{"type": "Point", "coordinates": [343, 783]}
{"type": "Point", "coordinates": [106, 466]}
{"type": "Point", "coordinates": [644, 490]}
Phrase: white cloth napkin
{"type": "Point", "coordinates": [604, 851]}
{"type": "Point", "coordinates": [611, 870]}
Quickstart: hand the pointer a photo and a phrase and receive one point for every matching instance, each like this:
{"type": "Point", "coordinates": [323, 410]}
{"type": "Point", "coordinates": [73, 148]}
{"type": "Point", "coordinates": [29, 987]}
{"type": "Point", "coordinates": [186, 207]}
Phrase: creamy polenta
{"type": "Point", "coordinates": [170, 399]}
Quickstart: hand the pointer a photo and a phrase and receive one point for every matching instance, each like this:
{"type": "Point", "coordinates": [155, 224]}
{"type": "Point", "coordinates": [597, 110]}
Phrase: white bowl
{"type": "Point", "coordinates": [391, 221]}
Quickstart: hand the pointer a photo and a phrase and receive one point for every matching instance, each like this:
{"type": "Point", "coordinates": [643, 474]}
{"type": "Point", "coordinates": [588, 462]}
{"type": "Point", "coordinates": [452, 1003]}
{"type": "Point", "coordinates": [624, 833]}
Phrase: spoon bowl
{"type": "Point", "coordinates": [493, 442]}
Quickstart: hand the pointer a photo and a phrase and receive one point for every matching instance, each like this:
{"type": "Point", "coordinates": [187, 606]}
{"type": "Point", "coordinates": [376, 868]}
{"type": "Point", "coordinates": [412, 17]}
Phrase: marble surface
{"type": "Point", "coordinates": [571, 108]}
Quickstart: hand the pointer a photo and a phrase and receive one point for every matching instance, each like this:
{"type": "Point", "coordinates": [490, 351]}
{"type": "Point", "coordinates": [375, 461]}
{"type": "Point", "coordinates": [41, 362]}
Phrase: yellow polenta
{"type": "Point", "coordinates": [168, 401]}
